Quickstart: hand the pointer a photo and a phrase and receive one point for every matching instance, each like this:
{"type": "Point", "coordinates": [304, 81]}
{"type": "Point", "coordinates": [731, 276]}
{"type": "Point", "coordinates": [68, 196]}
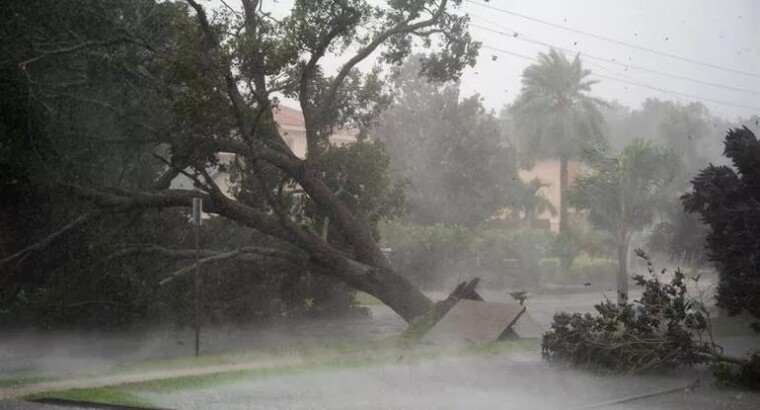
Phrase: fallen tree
{"type": "Point", "coordinates": [666, 329]}
{"type": "Point", "coordinates": [191, 85]}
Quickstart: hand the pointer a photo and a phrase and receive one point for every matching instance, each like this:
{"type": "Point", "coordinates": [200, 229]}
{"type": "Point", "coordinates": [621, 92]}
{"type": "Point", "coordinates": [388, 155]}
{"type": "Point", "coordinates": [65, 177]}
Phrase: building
{"type": "Point", "coordinates": [548, 172]}
{"type": "Point", "coordinates": [293, 130]}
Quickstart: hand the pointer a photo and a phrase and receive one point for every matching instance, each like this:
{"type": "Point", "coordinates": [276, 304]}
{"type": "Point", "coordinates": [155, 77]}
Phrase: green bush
{"type": "Point", "coordinates": [592, 270]}
{"type": "Point", "coordinates": [427, 254]}
{"type": "Point", "coordinates": [549, 269]}
{"type": "Point", "coordinates": [510, 257]}
{"type": "Point", "coordinates": [435, 255]}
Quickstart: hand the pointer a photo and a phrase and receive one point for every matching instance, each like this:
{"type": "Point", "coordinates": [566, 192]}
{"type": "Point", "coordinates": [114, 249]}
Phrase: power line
{"type": "Point", "coordinates": [634, 83]}
{"type": "Point", "coordinates": [611, 40]}
{"type": "Point", "coordinates": [515, 35]}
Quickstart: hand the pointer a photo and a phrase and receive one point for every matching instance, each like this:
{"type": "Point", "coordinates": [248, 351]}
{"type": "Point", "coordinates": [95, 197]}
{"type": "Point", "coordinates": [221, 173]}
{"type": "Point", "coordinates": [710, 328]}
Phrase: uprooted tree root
{"type": "Point", "coordinates": [665, 329]}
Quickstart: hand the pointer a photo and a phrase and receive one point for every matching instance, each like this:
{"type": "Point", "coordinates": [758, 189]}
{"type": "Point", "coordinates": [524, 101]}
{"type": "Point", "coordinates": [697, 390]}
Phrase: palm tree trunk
{"type": "Point", "coordinates": [563, 182]}
{"type": "Point", "coordinates": [622, 273]}
{"type": "Point", "coordinates": [565, 260]}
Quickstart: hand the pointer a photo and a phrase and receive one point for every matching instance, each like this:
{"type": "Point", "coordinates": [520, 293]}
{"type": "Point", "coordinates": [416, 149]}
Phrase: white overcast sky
{"type": "Point", "coordinates": [724, 33]}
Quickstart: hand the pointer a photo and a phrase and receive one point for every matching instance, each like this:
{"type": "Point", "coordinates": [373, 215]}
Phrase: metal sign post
{"type": "Point", "coordinates": [197, 212]}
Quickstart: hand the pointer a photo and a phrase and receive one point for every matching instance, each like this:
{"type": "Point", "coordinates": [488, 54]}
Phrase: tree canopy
{"type": "Point", "coordinates": [620, 193]}
{"type": "Point", "coordinates": [175, 84]}
{"type": "Point", "coordinates": [726, 199]}
{"type": "Point", "coordinates": [448, 149]}
{"type": "Point", "coordinates": [554, 116]}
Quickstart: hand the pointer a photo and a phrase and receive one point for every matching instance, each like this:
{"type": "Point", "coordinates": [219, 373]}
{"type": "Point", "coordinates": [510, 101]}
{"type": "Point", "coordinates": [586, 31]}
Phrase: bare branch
{"type": "Point", "coordinates": [70, 49]}
{"type": "Point", "coordinates": [244, 252]}
{"type": "Point", "coordinates": [205, 253]}
{"type": "Point", "coordinates": [72, 226]}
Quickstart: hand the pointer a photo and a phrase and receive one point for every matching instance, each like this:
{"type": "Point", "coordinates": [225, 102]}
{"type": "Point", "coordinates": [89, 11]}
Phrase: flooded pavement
{"type": "Point", "coordinates": [507, 381]}
{"type": "Point", "coordinates": [499, 381]}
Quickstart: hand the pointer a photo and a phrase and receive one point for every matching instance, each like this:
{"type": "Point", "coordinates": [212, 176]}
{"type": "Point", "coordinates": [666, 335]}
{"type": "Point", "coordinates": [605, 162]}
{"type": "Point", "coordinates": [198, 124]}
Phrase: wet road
{"type": "Point", "coordinates": [503, 382]}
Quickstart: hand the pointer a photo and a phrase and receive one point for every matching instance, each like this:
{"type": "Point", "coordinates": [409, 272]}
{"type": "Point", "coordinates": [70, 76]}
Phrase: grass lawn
{"type": "Point", "coordinates": [338, 357]}
{"type": "Point", "coordinates": [11, 381]}
{"type": "Point", "coordinates": [315, 358]}
{"type": "Point", "coordinates": [105, 395]}
{"type": "Point", "coordinates": [365, 299]}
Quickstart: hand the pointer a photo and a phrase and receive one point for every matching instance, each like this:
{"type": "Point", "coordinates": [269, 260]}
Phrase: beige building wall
{"type": "Point", "coordinates": [293, 130]}
{"type": "Point", "coordinates": [548, 172]}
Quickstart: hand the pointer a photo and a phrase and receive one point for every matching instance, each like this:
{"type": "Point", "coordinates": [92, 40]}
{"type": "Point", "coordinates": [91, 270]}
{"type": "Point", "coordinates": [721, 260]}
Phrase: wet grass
{"type": "Point", "coordinates": [311, 359]}
{"type": "Point", "coordinates": [304, 351]}
{"type": "Point", "coordinates": [365, 299]}
{"type": "Point", "coordinates": [104, 395]}
{"type": "Point", "coordinates": [13, 381]}
{"type": "Point", "coordinates": [345, 357]}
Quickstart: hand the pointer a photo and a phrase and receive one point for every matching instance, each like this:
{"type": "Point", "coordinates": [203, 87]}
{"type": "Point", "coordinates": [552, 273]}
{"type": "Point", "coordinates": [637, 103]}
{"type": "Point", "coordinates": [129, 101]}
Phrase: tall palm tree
{"type": "Point", "coordinates": [554, 116]}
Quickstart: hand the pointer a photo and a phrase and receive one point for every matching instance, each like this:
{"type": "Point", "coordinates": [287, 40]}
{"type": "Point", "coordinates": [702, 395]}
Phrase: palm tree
{"type": "Point", "coordinates": [554, 116]}
{"type": "Point", "coordinates": [621, 192]}
{"type": "Point", "coordinates": [529, 199]}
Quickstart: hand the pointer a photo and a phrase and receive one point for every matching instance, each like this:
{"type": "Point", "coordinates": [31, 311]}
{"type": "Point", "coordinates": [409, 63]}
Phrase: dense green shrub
{"type": "Point", "coordinates": [584, 270]}
{"type": "Point", "coordinates": [94, 288]}
{"type": "Point", "coordinates": [427, 254]}
{"type": "Point", "coordinates": [549, 269]}
{"type": "Point", "coordinates": [510, 257]}
{"type": "Point", "coordinates": [435, 255]}
{"type": "Point", "coordinates": [726, 198]}
{"type": "Point", "coordinates": [592, 270]}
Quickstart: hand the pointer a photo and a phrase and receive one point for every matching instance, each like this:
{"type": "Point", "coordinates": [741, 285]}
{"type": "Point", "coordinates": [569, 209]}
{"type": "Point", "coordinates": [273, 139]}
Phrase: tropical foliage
{"type": "Point", "coordinates": [448, 149]}
{"type": "Point", "coordinates": [554, 117]}
{"type": "Point", "coordinates": [620, 192]}
{"type": "Point", "coordinates": [666, 329]}
{"type": "Point", "coordinates": [727, 198]}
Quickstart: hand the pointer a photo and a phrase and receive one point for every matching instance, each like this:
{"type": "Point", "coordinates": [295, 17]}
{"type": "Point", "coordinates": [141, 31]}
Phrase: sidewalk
{"type": "Point", "coordinates": [118, 379]}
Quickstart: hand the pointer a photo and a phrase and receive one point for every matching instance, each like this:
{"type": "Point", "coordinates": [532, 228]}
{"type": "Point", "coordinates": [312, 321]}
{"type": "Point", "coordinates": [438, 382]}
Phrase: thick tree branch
{"type": "Point", "coordinates": [307, 75]}
{"type": "Point", "coordinates": [371, 271]}
{"type": "Point", "coordinates": [402, 28]}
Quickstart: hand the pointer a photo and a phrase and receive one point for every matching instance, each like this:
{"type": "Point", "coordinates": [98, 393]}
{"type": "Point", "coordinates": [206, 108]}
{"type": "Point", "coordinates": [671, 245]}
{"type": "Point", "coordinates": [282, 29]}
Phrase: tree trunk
{"type": "Point", "coordinates": [565, 259]}
{"type": "Point", "coordinates": [399, 294]}
{"type": "Point", "coordinates": [563, 182]}
{"type": "Point", "coordinates": [392, 289]}
{"type": "Point", "coordinates": [622, 273]}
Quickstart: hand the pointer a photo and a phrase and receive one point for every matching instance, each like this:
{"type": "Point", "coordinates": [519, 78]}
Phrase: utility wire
{"type": "Point", "coordinates": [611, 40]}
{"type": "Point", "coordinates": [517, 36]}
{"type": "Point", "coordinates": [634, 83]}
